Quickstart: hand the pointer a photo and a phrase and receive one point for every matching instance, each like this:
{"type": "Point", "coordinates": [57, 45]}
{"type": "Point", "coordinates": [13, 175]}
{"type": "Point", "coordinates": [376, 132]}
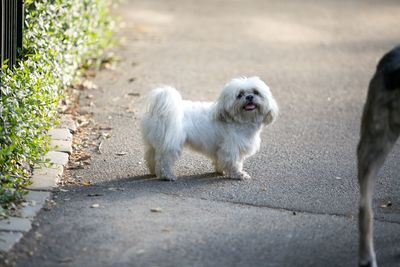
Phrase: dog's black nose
{"type": "Point", "coordinates": [249, 98]}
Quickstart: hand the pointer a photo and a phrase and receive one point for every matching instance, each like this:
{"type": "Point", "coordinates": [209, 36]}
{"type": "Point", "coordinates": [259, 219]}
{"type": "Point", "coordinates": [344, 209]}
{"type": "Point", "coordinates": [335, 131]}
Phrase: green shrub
{"type": "Point", "coordinates": [60, 38]}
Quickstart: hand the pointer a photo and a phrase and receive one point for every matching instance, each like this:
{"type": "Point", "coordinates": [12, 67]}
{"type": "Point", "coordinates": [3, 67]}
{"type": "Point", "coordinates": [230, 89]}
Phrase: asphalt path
{"type": "Point", "coordinates": [299, 208]}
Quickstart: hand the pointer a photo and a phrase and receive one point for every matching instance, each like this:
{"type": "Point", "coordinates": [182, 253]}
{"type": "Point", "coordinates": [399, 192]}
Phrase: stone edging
{"type": "Point", "coordinates": [44, 180]}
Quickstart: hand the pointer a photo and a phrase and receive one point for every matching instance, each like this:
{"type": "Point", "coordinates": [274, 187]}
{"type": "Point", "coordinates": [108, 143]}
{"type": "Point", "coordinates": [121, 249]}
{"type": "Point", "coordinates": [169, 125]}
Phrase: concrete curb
{"type": "Point", "coordinates": [44, 180]}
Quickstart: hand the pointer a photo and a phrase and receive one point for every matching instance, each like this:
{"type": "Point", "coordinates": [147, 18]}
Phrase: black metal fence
{"type": "Point", "coordinates": [11, 27]}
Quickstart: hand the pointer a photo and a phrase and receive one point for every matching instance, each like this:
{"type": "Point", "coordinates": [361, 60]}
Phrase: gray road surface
{"type": "Point", "coordinates": [300, 207]}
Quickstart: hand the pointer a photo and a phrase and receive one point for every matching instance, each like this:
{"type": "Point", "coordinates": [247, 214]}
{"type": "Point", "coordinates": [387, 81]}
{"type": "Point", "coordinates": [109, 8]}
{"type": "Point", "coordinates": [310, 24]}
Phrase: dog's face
{"type": "Point", "coordinates": [247, 100]}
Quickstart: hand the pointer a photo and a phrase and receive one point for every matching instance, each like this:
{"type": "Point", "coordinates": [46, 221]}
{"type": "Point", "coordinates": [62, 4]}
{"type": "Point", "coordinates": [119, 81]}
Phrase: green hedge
{"type": "Point", "coordinates": [60, 38]}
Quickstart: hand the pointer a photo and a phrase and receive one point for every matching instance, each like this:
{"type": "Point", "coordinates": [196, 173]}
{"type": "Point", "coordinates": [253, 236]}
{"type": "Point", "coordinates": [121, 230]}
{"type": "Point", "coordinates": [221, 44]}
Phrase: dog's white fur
{"type": "Point", "coordinates": [227, 131]}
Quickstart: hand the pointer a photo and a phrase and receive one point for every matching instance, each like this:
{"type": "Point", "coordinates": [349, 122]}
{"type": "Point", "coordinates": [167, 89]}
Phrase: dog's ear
{"type": "Point", "coordinates": [272, 114]}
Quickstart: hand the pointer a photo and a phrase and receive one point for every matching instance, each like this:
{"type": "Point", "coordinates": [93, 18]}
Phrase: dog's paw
{"type": "Point", "coordinates": [368, 263]}
{"type": "Point", "coordinates": [219, 172]}
{"type": "Point", "coordinates": [168, 178]}
{"type": "Point", "coordinates": [245, 176]}
{"type": "Point", "coordinates": [240, 176]}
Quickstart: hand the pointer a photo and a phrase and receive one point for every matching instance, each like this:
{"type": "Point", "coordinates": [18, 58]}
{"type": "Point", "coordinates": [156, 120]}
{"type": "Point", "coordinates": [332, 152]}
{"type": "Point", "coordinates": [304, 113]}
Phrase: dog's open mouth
{"type": "Point", "coordinates": [250, 107]}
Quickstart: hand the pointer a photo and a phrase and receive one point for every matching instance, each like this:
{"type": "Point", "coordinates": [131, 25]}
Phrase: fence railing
{"type": "Point", "coordinates": [11, 27]}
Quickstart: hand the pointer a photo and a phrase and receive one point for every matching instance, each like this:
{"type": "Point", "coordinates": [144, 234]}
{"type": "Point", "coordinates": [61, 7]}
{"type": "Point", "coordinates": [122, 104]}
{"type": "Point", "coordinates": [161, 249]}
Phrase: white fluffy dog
{"type": "Point", "coordinates": [227, 131]}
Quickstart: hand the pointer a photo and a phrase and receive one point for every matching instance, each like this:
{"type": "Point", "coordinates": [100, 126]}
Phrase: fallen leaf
{"type": "Point", "coordinates": [349, 215]}
{"type": "Point", "coordinates": [134, 94]}
{"type": "Point", "coordinates": [86, 183]}
{"type": "Point", "coordinates": [84, 157]}
{"type": "Point", "coordinates": [83, 124]}
{"type": "Point", "coordinates": [95, 195]}
{"type": "Point", "coordinates": [51, 202]}
{"type": "Point", "coordinates": [130, 110]}
{"type": "Point", "coordinates": [115, 189]}
{"type": "Point", "coordinates": [104, 135]}
{"type": "Point", "coordinates": [99, 147]}
{"type": "Point", "coordinates": [106, 128]}
{"type": "Point", "coordinates": [108, 66]}
{"type": "Point", "coordinates": [158, 209]}
{"type": "Point", "coordinates": [75, 167]}
{"type": "Point", "coordinates": [87, 84]}
{"type": "Point", "coordinates": [65, 260]}
{"type": "Point", "coordinates": [387, 205]}
{"type": "Point", "coordinates": [38, 235]}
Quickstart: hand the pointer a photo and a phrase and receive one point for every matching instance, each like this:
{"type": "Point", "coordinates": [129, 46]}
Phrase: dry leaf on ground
{"type": "Point", "coordinates": [158, 209]}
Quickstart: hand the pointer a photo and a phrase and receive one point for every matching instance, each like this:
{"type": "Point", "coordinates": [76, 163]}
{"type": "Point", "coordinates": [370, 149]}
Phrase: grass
{"type": "Point", "coordinates": [61, 40]}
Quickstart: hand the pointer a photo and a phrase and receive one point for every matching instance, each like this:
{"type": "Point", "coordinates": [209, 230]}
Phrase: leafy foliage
{"type": "Point", "coordinates": [60, 38]}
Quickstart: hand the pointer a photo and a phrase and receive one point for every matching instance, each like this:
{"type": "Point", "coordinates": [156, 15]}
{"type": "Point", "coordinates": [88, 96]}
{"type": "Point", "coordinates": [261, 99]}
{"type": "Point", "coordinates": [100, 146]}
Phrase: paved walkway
{"type": "Point", "coordinates": [300, 207]}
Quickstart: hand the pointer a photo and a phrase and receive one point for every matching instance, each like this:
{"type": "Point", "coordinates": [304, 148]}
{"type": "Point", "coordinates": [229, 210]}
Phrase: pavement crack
{"type": "Point", "coordinates": [348, 216]}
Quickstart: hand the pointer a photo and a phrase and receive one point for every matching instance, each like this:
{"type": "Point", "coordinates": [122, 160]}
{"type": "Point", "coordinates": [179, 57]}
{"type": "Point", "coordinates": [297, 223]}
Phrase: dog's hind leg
{"type": "Point", "coordinates": [370, 159]}
{"type": "Point", "coordinates": [149, 157]}
{"type": "Point", "coordinates": [379, 132]}
{"type": "Point", "coordinates": [165, 162]}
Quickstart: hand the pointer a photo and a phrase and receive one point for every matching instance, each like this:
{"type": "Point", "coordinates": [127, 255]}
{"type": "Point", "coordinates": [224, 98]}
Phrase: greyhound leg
{"type": "Point", "coordinates": [371, 155]}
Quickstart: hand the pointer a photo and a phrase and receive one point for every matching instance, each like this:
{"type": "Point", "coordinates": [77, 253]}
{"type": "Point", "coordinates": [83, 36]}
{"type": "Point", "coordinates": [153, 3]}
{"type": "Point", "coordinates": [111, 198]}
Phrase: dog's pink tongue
{"type": "Point", "coordinates": [250, 107]}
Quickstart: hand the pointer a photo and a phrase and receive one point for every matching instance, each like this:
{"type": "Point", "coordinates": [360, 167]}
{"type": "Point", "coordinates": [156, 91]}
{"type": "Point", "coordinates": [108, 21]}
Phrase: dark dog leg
{"type": "Point", "coordinates": [370, 159]}
{"type": "Point", "coordinates": [380, 128]}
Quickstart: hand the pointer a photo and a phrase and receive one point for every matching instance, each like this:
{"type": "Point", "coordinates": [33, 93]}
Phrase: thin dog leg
{"type": "Point", "coordinates": [380, 128]}
{"type": "Point", "coordinates": [369, 162]}
{"type": "Point", "coordinates": [366, 251]}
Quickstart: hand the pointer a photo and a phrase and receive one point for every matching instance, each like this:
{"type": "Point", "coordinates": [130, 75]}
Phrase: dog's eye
{"type": "Point", "coordinates": [240, 95]}
{"type": "Point", "coordinates": [256, 92]}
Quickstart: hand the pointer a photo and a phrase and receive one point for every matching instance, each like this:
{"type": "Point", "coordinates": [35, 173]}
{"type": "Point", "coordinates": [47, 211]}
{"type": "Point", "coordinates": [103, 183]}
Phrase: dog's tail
{"type": "Point", "coordinates": [162, 119]}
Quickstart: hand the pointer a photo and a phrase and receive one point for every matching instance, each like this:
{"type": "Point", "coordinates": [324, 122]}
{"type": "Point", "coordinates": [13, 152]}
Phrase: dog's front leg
{"type": "Point", "coordinates": [232, 164]}
{"type": "Point", "coordinates": [217, 167]}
